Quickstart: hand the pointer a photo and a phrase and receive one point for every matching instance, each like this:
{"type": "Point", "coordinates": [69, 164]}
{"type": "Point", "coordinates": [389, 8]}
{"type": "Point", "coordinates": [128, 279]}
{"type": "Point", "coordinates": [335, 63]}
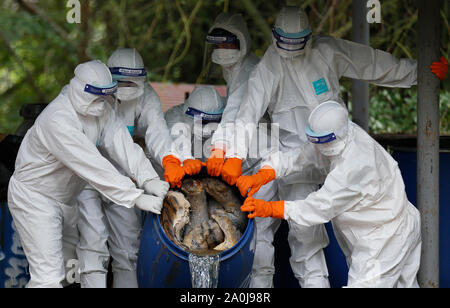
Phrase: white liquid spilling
{"type": "Point", "coordinates": [204, 271]}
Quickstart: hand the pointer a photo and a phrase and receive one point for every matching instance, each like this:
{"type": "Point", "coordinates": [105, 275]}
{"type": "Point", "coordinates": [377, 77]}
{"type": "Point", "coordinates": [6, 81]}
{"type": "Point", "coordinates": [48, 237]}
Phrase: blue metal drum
{"type": "Point", "coordinates": [407, 161]}
{"type": "Point", "coordinates": [162, 264]}
{"type": "Point", "coordinates": [13, 263]}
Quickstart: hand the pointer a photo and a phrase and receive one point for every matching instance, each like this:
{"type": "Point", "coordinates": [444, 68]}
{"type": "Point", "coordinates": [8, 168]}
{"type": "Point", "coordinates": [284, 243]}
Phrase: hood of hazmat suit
{"type": "Point", "coordinates": [292, 34]}
{"type": "Point", "coordinates": [139, 106]}
{"type": "Point", "coordinates": [328, 128]}
{"type": "Point", "coordinates": [127, 68]}
{"type": "Point", "coordinates": [193, 122]}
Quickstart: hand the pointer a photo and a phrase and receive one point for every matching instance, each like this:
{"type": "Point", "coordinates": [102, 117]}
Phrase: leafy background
{"type": "Point", "coordinates": [39, 49]}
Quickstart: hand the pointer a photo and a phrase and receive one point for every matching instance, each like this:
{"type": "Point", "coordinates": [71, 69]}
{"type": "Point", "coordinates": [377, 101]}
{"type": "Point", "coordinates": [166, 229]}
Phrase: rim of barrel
{"type": "Point", "coordinates": [408, 143]}
{"type": "Point", "coordinates": [181, 253]}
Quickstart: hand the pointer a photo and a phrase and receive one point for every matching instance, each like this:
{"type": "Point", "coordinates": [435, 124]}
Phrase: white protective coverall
{"type": "Point", "coordinates": [191, 133]}
{"type": "Point", "coordinates": [193, 139]}
{"type": "Point", "coordinates": [289, 89]}
{"type": "Point", "coordinates": [237, 77]}
{"type": "Point", "coordinates": [105, 227]}
{"type": "Point", "coordinates": [364, 197]}
{"type": "Point", "coordinates": [58, 156]}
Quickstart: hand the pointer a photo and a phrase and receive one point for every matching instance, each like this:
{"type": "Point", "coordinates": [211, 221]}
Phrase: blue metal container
{"type": "Point", "coordinates": [13, 263]}
{"type": "Point", "coordinates": [162, 264]}
{"type": "Point", "coordinates": [284, 277]}
{"type": "Point", "coordinates": [407, 161]}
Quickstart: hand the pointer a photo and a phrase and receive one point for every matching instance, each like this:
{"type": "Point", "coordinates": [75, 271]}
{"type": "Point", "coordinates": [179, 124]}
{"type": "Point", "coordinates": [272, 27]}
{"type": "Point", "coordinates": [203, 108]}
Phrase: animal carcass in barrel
{"type": "Point", "coordinates": [203, 218]}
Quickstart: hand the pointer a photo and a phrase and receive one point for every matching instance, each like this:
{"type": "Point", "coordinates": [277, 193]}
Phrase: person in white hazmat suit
{"type": "Point", "coordinates": [231, 41]}
{"type": "Point", "coordinates": [193, 123]}
{"type": "Point", "coordinates": [363, 196]}
{"type": "Point", "coordinates": [297, 73]}
{"type": "Point", "coordinates": [232, 50]}
{"type": "Point", "coordinates": [59, 155]}
{"type": "Point", "coordinates": [107, 229]}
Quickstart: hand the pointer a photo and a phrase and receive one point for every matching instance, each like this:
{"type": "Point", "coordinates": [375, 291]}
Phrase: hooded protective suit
{"type": "Point", "coordinates": [112, 229]}
{"type": "Point", "coordinates": [204, 107]}
{"type": "Point", "coordinates": [364, 197]}
{"type": "Point", "coordinates": [192, 137]}
{"type": "Point", "coordinates": [58, 156]}
{"type": "Point", "coordinates": [235, 75]}
{"type": "Point", "coordinates": [289, 88]}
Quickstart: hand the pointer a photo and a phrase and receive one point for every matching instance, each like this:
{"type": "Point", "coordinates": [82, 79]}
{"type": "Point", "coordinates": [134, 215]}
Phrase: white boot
{"type": "Point", "coordinates": [93, 280]}
{"type": "Point", "coordinates": [125, 280]}
{"type": "Point", "coordinates": [261, 282]}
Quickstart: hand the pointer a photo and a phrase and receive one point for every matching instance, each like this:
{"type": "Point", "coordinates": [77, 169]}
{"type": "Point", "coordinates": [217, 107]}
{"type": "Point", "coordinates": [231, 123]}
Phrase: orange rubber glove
{"type": "Point", "coordinates": [173, 172]}
{"type": "Point", "coordinates": [256, 181]}
{"type": "Point", "coordinates": [232, 170]}
{"type": "Point", "coordinates": [440, 69]}
{"type": "Point", "coordinates": [261, 208]}
{"type": "Point", "coordinates": [192, 166]}
{"type": "Point", "coordinates": [215, 162]}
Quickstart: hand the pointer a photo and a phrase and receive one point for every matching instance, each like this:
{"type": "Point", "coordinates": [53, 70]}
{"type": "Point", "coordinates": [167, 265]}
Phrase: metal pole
{"type": "Point", "coordinates": [360, 89]}
{"type": "Point", "coordinates": [428, 140]}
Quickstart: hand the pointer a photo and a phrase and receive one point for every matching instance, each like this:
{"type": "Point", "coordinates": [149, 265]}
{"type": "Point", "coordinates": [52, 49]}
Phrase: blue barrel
{"type": "Point", "coordinates": [336, 263]}
{"type": "Point", "coordinates": [162, 264]}
{"type": "Point", "coordinates": [407, 161]}
{"type": "Point", "coordinates": [13, 263]}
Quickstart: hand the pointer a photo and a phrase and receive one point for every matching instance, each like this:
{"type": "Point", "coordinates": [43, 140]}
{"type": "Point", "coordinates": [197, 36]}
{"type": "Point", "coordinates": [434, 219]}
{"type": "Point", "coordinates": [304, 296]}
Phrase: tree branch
{"type": "Point", "coordinates": [259, 20]}
{"type": "Point", "coordinates": [85, 32]}
{"type": "Point", "coordinates": [29, 76]}
{"type": "Point", "coordinates": [148, 35]}
{"type": "Point", "coordinates": [187, 33]}
{"type": "Point", "coordinates": [29, 6]}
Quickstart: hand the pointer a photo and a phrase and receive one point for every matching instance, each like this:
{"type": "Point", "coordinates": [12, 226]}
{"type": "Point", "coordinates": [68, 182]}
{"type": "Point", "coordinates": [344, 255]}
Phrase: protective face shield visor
{"type": "Point", "coordinates": [206, 118]}
{"type": "Point", "coordinates": [291, 43]}
{"type": "Point", "coordinates": [222, 48]}
{"type": "Point", "coordinates": [130, 82]}
{"type": "Point", "coordinates": [319, 138]}
{"type": "Point", "coordinates": [105, 95]}
{"type": "Point", "coordinates": [124, 73]}
{"type": "Point", "coordinates": [101, 90]}
{"type": "Point", "coordinates": [327, 143]}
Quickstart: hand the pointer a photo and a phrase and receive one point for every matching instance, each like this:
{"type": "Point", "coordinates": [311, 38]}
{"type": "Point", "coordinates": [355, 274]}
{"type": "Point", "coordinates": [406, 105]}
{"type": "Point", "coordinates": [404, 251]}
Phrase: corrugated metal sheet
{"type": "Point", "coordinates": [175, 94]}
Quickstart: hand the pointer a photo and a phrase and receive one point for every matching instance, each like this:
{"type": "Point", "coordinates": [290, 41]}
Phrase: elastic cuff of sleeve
{"type": "Point", "coordinates": [234, 155]}
{"type": "Point", "coordinates": [133, 204]}
{"type": "Point", "coordinates": [149, 180]}
{"type": "Point", "coordinates": [220, 145]}
{"type": "Point", "coordinates": [188, 158]}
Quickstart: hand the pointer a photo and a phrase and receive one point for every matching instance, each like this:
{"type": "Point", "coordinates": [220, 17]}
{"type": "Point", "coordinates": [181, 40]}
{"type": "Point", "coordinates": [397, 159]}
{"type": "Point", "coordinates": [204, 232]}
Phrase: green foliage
{"type": "Point", "coordinates": [39, 49]}
{"type": "Point", "coordinates": [396, 112]}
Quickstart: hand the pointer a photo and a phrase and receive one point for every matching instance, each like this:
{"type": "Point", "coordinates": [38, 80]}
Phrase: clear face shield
{"type": "Point", "coordinates": [222, 50]}
{"type": "Point", "coordinates": [105, 95]}
{"type": "Point", "coordinates": [130, 82]}
{"type": "Point", "coordinates": [204, 117]}
{"type": "Point", "coordinates": [290, 45]}
{"type": "Point", "coordinates": [204, 126]}
{"type": "Point", "coordinates": [327, 143]}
